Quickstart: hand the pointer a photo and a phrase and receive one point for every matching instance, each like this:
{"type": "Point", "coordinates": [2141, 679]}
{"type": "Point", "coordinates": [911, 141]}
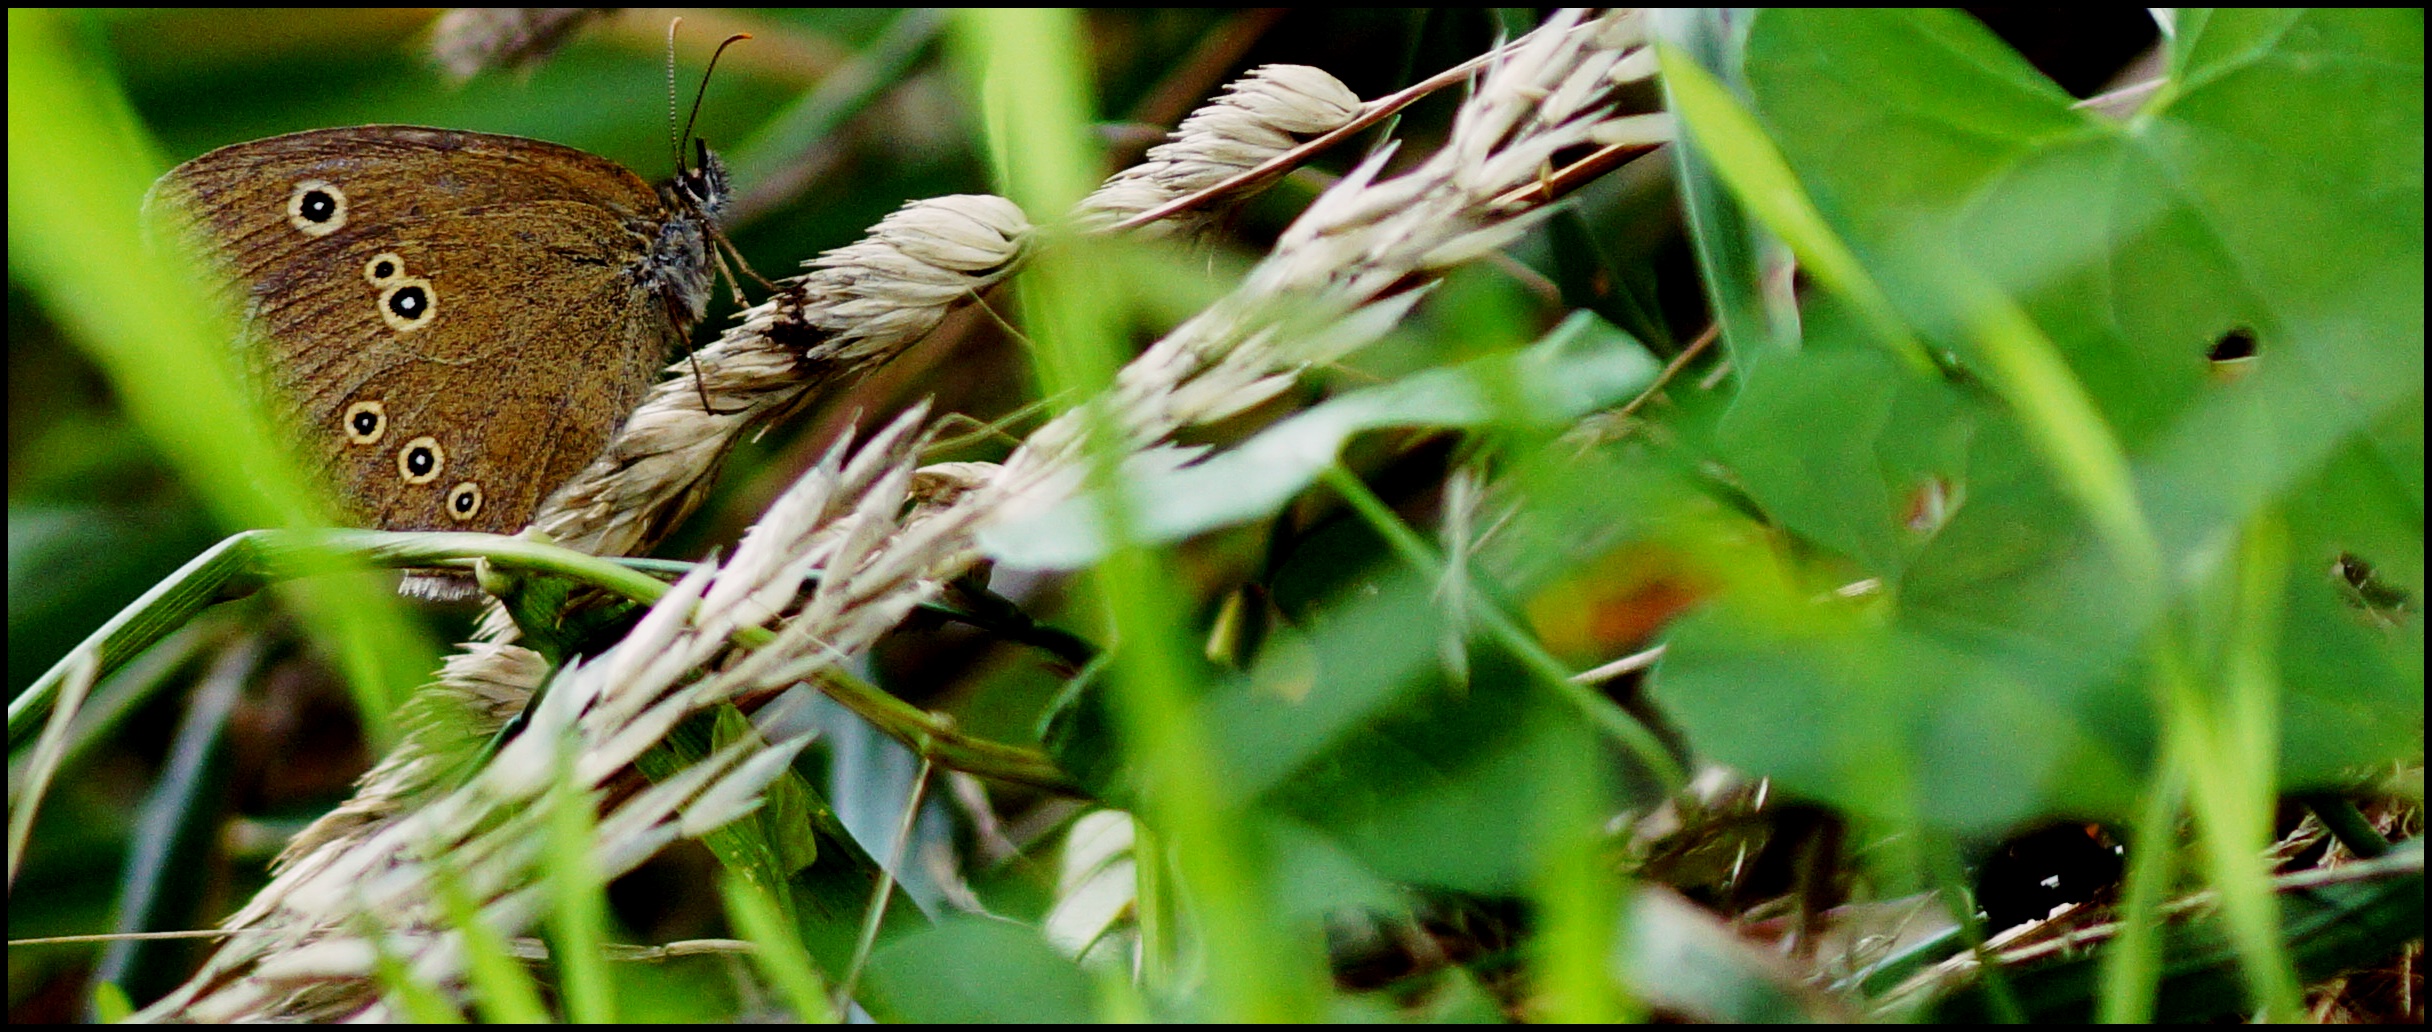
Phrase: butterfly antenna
{"type": "Point", "coordinates": [675, 141]}
{"type": "Point", "coordinates": [703, 92]}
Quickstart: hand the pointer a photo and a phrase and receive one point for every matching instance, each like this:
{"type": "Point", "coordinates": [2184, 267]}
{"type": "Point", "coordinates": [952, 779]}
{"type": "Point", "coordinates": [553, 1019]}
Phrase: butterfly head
{"type": "Point", "coordinates": [684, 259]}
{"type": "Point", "coordinates": [701, 188]}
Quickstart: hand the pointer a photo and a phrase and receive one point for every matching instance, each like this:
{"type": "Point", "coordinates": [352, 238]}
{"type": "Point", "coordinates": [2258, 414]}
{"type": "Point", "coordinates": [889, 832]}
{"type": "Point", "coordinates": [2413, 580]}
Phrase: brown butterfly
{"type": "Point", "coordinates": [456, 322]}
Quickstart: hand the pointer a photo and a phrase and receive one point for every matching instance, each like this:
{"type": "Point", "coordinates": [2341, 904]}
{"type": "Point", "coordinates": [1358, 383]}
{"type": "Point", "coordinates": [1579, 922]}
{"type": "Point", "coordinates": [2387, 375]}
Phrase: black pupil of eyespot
{"type": "Point", "coordinates": [464, 500]}
{"type": "Point", "coordinates": [366, 422]}
{"type": "Point", "coordinates": [384, 270]}
{"type": "Point", "coordinates": [319, 206]}
{"type": "Point", "coordinates": [406, 303]}
{"type": "Point", "coordinates": [418, 460]}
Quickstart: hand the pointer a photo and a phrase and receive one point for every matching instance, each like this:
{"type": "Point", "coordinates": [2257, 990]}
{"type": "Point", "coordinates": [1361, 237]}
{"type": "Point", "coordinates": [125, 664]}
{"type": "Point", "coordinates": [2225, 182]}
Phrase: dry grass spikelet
{"type": "Point", "coordinates": [1259, 117]}
{"type": "Point", "coordinates": [1343, 272]}
{"type": "Point", "coordinates": [881, 535]}
{"type": "Point", "coordinates": [297, 952]}
{"type": "Point", "coordinates": [467, 41]}
{"type": "Point", "coordinates": [479, 689]}
{"type": "Point", "coordinates": [859, 305]}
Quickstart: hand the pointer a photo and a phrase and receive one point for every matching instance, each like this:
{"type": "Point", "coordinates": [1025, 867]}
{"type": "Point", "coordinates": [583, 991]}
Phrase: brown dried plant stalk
{"type": "Point", "coordinates": [881, 535]}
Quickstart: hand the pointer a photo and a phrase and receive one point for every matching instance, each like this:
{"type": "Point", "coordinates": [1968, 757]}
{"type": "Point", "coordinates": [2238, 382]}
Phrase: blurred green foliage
{"type": "Point", "coordinates": [1877, 587]}
{"type": "Point", "coordinates": [2270, 189]}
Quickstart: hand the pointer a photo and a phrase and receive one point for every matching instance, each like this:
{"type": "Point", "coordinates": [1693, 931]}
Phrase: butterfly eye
{"type": "Point", "coordinates": [406, 304]}
{"type": "Point", "coordinates": [365, 422]}
{"type": "Point", "coordinates": [316, 208]}
{"type": "Point", "coordinates": [464, 501]}
{"type": "Point", "coordinates": [382, 268]}
{"type": "Point", "coordinates": [421, 460]}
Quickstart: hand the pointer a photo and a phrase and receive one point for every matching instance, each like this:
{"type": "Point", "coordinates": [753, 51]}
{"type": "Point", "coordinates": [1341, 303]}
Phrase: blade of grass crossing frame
{"type": "Point", "coordinates": [1729, 136]}
{"type": "Point", "coordinates": [1257, 968]}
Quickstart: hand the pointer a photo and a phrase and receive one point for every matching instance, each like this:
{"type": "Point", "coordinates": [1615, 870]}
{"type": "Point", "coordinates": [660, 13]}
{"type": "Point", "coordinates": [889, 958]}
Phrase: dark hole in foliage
{"type": "Point", "coordinates": [2080, 49]}
{"type": "Point", "coordinates": [2054, 865]}
{"type": "Point", "coordinates": [2234, 345]}
{"type": "Point", "coordinates": [2367, 586]}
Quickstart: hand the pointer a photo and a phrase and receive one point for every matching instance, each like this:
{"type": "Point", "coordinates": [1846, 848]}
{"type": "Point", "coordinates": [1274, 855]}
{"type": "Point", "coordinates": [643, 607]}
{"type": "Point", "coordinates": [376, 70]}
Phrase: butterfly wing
{"type": "Point", "coordinates": [456, 321]}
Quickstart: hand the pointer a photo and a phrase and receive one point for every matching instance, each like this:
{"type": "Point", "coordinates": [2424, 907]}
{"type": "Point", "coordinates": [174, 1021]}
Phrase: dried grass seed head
{"type": "Point", "coordinates": [859, 305]}
{"type": "Point", "coordinates": [467, 41]}
{"type": "Point", "coordinates": [872, 298]}
{"type": "Point", "coordinates": [1259, 116]}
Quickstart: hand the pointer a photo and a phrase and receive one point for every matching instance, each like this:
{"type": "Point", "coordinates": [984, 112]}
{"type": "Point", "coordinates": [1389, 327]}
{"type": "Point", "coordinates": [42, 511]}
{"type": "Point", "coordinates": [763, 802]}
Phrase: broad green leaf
{"type": "Point", "coordinates": [972, 969]}
{"type": "Point", "coordinates": [2275, 190]}
{"type": "Point", "coordinates": [1445, 787]}
{"type": "Point", "coordinates": [1848, 449]}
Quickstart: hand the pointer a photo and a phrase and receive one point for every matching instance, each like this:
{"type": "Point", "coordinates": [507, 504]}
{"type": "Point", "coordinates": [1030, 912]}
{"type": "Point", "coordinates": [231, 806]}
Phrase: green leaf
{"type": "Point", "coordinates": [1849, 450]}
{"type": "Point", "coordinates": [2275, 190]}
{"type": "Point", "coordinates": [974, 969]}
{"type": "Point", "coordinates": [1443, 788]}
{"type": "Point", "coordinates": [794, 850]}
{"type": "Point", "coordinates": [1581, 366]}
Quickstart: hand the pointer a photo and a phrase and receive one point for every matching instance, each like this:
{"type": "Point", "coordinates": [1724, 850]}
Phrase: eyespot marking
{"type": "Point", "coordinates": [365, 422]}
{"type": "Point", "coordinates": [316, 208]}
{"type": "Point", "coordinates": [421, 460]}
{"type": "Point", "coordinates": [464, 501]}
